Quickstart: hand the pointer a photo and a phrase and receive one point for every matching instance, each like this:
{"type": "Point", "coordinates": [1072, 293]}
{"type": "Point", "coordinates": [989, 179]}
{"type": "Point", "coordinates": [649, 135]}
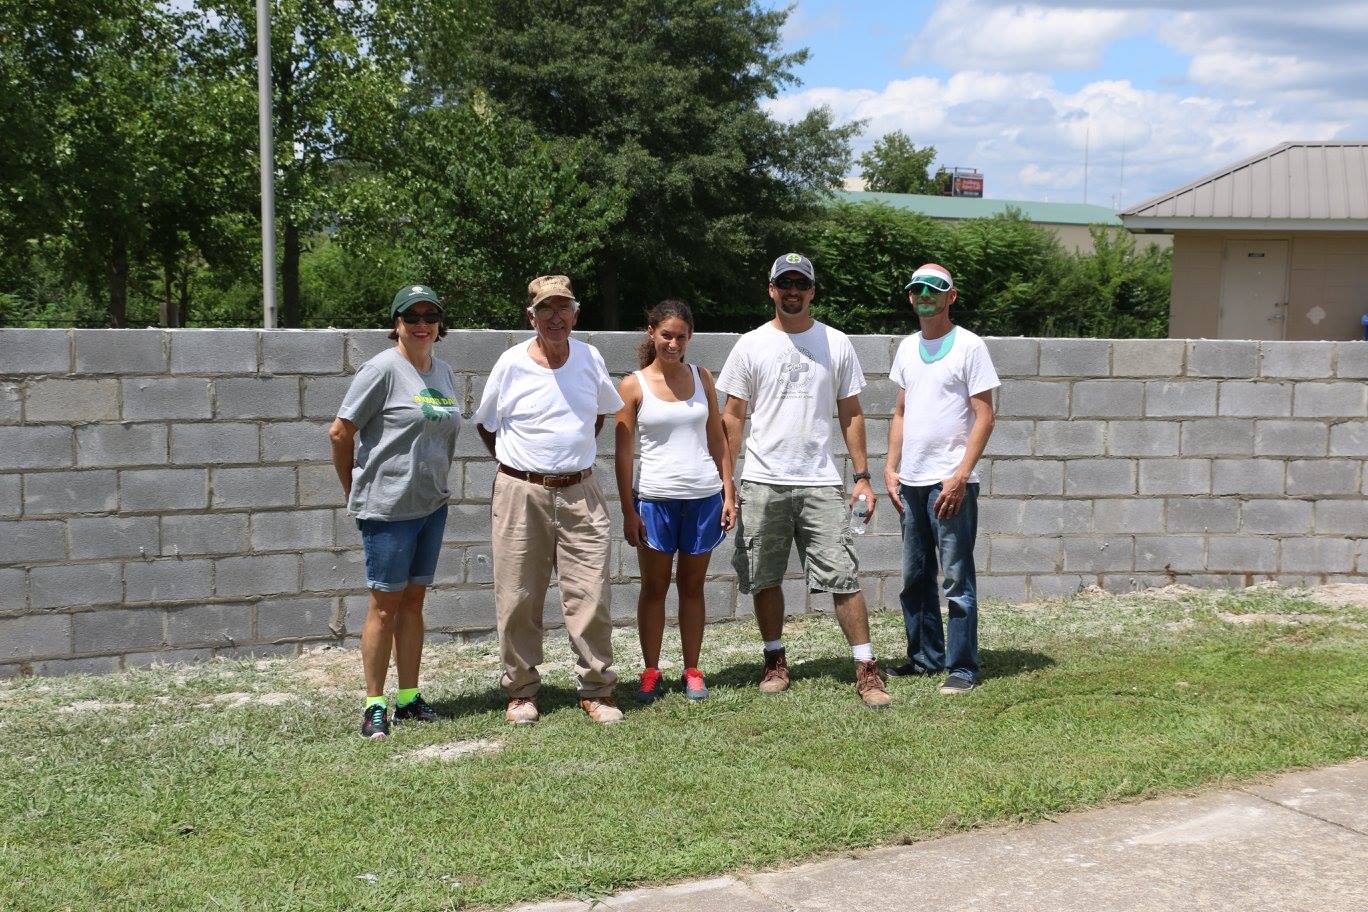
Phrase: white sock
{"type": "Point", "coordinates": [774, 645]}
{"type": "Point", "coordinates": [864, 652]}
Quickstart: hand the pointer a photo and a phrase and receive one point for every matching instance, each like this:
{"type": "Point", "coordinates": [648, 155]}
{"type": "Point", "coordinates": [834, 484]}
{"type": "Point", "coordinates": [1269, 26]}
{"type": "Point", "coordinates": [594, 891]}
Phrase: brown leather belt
{"type": "Point", "coordinates": [547, 481]}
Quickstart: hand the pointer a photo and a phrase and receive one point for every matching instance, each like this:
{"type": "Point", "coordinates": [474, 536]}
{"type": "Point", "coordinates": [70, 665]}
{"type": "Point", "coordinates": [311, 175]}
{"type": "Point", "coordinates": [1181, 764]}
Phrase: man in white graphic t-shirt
{"type": "Point", "coordinates": [796, 374]}
{"type": "Point", "coordinates": [940, 426]}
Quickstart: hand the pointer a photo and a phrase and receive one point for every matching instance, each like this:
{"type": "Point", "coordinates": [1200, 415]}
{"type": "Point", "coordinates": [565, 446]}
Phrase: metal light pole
{"type": "Point", "coordinates": [268, 270]}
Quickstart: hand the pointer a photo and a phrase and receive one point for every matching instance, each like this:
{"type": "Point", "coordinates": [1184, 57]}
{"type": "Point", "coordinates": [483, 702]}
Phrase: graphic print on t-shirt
{"type": "Point", "coordinates": [795, 374]}
{"type": "Point", "coordinates": [436, 406]}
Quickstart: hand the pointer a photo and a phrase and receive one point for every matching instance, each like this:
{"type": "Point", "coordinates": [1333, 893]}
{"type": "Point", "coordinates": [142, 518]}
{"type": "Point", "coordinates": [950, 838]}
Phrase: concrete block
{"type": "Point", "coordinates": [168, 580]}
{"type": "Point", "coordinates": [69, 492]}
{"type": "Point", "coordinates": [1242, 554]}
{"type": "Point", "coordinates": [347, 535]}
{"type": "Point", "coordinates": [1098, 554]}
{"type": "Point", "coordinates": [1132, 516]}
{"type": "Point", "coordinates": [301, 351]}
{"type": "Point", "coordinates": [113, 536]}
{"type": "Point", "coordinates": [256, 574]}
{"type": "Point", "coordinates": [477, 350]}
{"type": "Point", "coordinates": [1043, 586]}
{"type": "Point", "coordinates": [878, 553]}
{"type": "Point", "coordinates": [292, 530]}
{"type": "Point", "coordinates": [1296, 359]}
{"type": "Point", "coordinates": [1330, 400]}
{"type": "Point", "coordinates": [1147, 357]}
{"type": "Point", "coordinates": [1218, 437]}
{"type": "Point", "coordinates": [36, 448]}
{"type": "Point", "coordinates": [257, 651]}
{"type": "Point", "coordinates": [35, 635]}
{"type": "Point", "coordinates": [1068, 438]}
{"type": "Point", "coordinates": [72, 401]}
{"type": "Point", "coordinates": [466, 609]}
{"type": "Point", "coordinates": [1108, 399]}
{"type": "Point", "coordinates": [215, 442]}
{"type": "Point", "coordinates": [217, 533]}
{"type": "Point", "coordinates": [323, 395]}
{"type": "Point", "coordinates": [35, 351]}
{"type": "Point", "coordinates": [1351, 360]}
{"type": "Point", "coordinates": [11, 495]}
{"type": "Point", "coordinates": [618, 349]}
{"type": "Point", "coordinates": [879, 397]}
{"type": "Point", "coordinates": [1349, 438]}
{"type": "Point", "coordinates": [1075, 357]}
{"type": "Point", "coordinates": [1316, 555]}
{"type": "Point", "coordinates": [318, 486]}
{"type": "Point", "coordinates": [1175, 476]}
{"type": "Point", "coordinates": [1170, 553]}
{"type": "Point", "coordinates": [1180, 398]}
{"type": "Point", "coordinates": [1093, 477]}
{"type": "Point", "coordinates": [1027, 476]}
{"type": "Point", "coordinates": [1009, 589]}
{"type": "Point", "coordinates": [257, 397]}
{"type": "Point", "coordinates": [155, 490]}
{"type": "Point", "coordinates": [1342, 517]}
{"type": "Point", "coordinates": [1255, 399]}
{"type": "Point", "coordinates": [255, 486]}
{"type": "Point", "coordinates": [213, 351]}
{"type": "Point", "coordinates": [1247, 476]}
{"type": "Point", "coordinates": [1291, 438]}
{"type": "Point", "coordinates": [1323, 476]}
{"type": "Point", "coordinates": [147, 399]}
{"type": "Point", "coordinates": [710, 350]}
{"type": "Point", "coordinates": [330, 571]}
{"type": "Point", "coordinates": [90, 665]}
{"type": "Point", "coordinates": [295, 441]}
{"type": "Point", "coordinates": [121, 445]}
{"type": "Point", "coordinates": [120, 351]}
{"type": "Point", "coordinates": [354, 611]}
{"type": "Point", "coordinates": [1142, 438]}
{"type": "Point", "coordinates": [1011, 438]}
{"type": "Point", "coordinates": [11, 403]}
{"type": "Point", "coordinates": [1024, 555]}
{"type": "Point", "coordinates": [470, 523]}
{"type": "Point", "coordinates": [1033, 399]}
{"type": "Point", "coordinates": [166, 657]}
{"type": "Point", "coordinates": [1275, 517]}
{"type": "Point", "coordinates": [1014, 357]}
{"type": "Point", "coordinates": [479, 564]}
{"type": "Point", "coordinates": [1222, 358]}
{"type": "Point", "coordinates": [33, 540]}
{"type": "Point", "coordinates": [76, 585]}
{"type": "Point", "coordinates": [364, 344]}
{"type": "Point", "coordinates": [278, 620]}
{"type": "Point", "coordinates": [1201, 514]}
{"type": "Point", "coordinates": [875, 353]}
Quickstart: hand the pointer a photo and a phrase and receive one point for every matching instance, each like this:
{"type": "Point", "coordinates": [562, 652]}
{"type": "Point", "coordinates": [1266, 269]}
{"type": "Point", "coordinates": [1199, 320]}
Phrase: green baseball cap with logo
{"type": "Point", "coordinates": [410, 295]}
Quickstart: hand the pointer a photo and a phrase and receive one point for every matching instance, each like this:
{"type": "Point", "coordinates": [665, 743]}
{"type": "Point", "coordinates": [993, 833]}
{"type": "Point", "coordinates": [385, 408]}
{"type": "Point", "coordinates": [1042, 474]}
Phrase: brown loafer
{"type": "Point", "coordinates": [776, 677]}
{"type": "Point", "coordinates": [602, 710]}
{"type": "Point", "coordinates": [869, 684]}
{"type": "Point", "coordinates": [521, 712]}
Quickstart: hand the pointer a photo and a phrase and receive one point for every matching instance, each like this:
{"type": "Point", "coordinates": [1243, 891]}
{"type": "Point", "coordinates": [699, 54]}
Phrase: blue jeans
{"type": "Point", "coordinates": [925, 535]}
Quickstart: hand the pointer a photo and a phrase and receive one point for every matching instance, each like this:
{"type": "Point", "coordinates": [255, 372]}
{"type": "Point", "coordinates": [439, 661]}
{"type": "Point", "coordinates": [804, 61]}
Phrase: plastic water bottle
{"type": "Point", "coordinates": [858, 514]}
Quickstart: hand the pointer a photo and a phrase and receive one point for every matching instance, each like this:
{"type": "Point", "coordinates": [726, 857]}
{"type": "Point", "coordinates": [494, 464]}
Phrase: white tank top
{"type": "Point", "coordinates": [675, 463]}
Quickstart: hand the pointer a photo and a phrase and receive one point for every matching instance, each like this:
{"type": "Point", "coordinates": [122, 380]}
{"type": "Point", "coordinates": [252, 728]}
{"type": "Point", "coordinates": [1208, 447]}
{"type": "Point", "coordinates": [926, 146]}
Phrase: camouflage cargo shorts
{"type": "Point", "coordinates": [775, 517]}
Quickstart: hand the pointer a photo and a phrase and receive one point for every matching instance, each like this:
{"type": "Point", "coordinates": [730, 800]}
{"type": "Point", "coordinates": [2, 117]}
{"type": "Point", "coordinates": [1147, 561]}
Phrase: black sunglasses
{"type": "Point", "coordinates": [431, 316]}
{"type": "Point", "coordinates": [784, 283]}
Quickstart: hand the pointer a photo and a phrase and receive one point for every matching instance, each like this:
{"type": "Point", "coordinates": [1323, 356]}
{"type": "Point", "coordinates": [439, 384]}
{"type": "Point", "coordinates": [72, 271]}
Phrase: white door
{"type": "Point", "coordinates": [1254, 290]}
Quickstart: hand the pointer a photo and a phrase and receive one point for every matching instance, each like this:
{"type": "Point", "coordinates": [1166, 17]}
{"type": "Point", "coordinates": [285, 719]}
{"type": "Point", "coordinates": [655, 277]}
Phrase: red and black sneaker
{"type": "Point", "coordinates": [694, 688]}
{"type": "Point", "coordinates": [652, 686]}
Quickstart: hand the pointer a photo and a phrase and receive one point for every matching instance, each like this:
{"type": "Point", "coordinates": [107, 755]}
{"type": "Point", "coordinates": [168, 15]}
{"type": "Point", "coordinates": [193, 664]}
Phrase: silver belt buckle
{"type": "Point", "coordinates": [549, 481]}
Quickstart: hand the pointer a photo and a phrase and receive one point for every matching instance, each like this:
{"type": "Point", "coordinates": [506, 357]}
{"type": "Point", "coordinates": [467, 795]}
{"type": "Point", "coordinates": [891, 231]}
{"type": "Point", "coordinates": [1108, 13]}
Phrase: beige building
{"type": "Point", "coordinates": [1273, 247]}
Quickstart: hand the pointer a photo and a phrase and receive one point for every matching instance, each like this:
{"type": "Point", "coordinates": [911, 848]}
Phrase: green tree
{"type": "Point", "coordinates": [897, 165]}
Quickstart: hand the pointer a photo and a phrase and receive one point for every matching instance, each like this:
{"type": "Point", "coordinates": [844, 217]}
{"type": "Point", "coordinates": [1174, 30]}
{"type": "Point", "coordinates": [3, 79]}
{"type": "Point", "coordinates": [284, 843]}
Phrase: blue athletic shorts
{"type": "Point", "coordinates": [402, 553]}
{"type": "Point", "coordinates": [689, 526]}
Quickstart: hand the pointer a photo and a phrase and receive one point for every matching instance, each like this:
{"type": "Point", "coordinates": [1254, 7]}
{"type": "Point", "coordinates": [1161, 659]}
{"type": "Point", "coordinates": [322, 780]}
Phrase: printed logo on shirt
{"type": "Point", "coordinates": [796, 374]}
{"type": "Point", "coordinates": [435, 405]}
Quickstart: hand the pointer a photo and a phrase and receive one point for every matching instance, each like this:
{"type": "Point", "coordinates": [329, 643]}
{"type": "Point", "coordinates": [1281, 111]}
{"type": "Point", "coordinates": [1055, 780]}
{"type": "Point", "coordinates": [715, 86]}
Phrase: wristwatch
{"type": "Point", "coordinates": [859, 476]}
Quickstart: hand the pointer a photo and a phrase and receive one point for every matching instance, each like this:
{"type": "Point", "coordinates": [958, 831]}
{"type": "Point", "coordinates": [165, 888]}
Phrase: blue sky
{"type": "Point", "coordinates": [1159, 92]}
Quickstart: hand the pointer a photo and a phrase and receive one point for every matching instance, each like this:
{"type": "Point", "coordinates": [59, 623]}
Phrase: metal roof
{"type": "Point", "coordinates": [1305, 185]}
{"type": "Point", "coordinates": [968, 207]}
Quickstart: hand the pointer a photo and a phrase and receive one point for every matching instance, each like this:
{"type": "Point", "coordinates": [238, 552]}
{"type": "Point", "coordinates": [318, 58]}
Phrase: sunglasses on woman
{"type": "Point", "coordinates": [430, 316]}
{"type": "Point", "coordinates": [784, 283]}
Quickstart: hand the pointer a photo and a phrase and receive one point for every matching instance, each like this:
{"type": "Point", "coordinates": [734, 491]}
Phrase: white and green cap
{"type": "Point", "coordinates": [934, 275]}
{"type": "Point", "coordinates": [792, 262]}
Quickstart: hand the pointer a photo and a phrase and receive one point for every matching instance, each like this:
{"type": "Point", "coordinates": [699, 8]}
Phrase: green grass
{"type": "Point", "coordinates": [182, 801]}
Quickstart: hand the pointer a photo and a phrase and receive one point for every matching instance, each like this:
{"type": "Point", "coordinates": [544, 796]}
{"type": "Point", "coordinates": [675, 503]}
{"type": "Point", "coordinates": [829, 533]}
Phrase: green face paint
{"type": "Point", "coordinates": [927, 310]}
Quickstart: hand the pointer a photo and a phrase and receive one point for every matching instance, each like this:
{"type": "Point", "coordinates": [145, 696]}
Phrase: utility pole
{"type": "Point", "coordinates": [268, 270]}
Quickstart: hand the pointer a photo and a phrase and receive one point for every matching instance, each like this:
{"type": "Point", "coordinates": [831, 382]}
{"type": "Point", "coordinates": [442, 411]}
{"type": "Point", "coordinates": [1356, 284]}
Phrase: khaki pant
{"type": "Point", "coordinates": [534, 530]}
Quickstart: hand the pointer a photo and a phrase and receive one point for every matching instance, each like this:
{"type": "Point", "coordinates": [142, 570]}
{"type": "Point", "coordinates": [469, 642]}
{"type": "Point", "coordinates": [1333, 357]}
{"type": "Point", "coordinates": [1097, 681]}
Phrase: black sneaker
{"type": "Point", "coordinates": [417, 711]}
{"type": "Point", "coordinates": [376, 722]}
{"type": "Point", "coordinates": [911, 670]}
{"type": "Point", "coordinates": [957, 684]}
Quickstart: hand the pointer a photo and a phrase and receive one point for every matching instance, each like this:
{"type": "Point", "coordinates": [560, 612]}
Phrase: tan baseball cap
{"type": "Point", "coordinates": [551, 286]}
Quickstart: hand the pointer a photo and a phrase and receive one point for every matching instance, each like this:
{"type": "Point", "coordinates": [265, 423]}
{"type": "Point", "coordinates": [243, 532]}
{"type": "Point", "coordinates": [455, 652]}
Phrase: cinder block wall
{"type": "Point", "coordinates": [167, 495]}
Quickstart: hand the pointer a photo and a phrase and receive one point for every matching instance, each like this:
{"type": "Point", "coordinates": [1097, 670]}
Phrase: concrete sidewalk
{"type": "Point", "coordinates": [1297, 842]}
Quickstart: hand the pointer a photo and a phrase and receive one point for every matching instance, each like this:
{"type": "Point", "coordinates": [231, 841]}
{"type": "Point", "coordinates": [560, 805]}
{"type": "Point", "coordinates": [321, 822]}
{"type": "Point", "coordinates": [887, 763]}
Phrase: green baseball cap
{"type": "Point", "coordinates": [410, 295]}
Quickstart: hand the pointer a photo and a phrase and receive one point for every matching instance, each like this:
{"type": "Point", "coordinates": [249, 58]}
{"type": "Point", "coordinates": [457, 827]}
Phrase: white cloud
{"type": "Point", "coordinates": [988, 36]}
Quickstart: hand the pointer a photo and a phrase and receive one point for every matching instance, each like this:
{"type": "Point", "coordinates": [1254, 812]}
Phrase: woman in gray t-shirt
{"type": "Point", "coordinates": [392, 444]}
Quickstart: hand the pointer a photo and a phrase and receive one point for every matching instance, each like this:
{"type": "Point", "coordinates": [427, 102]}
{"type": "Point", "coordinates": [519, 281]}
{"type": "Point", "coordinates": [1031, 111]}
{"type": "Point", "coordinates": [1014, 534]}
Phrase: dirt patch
{"type": "Point", "coordinates": [1260, 617]}
{"type": "Point", "coordinates": [88, 706]}
{"type": "Point", "coordinates": [451, 751]}
{"type": "Point", "coordinates": [1336, 595]}
{"type": "Point", "coordinates": [234, 700]}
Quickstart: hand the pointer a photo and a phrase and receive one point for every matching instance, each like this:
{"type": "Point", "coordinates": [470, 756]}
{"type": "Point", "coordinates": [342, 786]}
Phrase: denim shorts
{"type": "Point", "coordinates": [402, 553]}
{"type": "Point", "coordinates": [687, 526]}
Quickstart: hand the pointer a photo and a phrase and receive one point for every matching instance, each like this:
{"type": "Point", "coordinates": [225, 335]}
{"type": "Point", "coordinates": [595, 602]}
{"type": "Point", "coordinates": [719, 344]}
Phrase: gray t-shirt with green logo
{"type": "Point", "coordinates": [407, 423]}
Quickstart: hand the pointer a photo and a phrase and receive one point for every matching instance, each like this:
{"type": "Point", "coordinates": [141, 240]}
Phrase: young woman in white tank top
{"type": "Point", "coordinates": [679, 502]}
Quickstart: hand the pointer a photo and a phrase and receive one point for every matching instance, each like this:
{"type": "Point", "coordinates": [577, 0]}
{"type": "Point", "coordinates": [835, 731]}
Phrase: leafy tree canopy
{"type": "Point", "coordinates": [897, 165]}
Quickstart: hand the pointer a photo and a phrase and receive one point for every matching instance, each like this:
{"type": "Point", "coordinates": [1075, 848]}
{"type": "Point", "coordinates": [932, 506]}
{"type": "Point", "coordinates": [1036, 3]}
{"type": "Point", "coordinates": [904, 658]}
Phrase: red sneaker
{"type": "Point", "coordinates": [652, 686]}
{"type": "Point", "coordinates": [694, 688]}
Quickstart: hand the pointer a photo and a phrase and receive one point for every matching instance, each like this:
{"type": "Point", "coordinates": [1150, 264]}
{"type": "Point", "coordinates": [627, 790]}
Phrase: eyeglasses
{"type": "Point", "coordinates": [546, 311]}
{"type": "Point", "coordinates": [427, 316]}
{"type": "Point", "coordinates": [783, 283]}
{"type": "Point", "coordinates": [928, 288]}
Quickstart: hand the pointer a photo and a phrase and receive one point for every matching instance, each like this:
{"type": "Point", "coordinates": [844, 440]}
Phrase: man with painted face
{"type": "Point", "coordinates": [795, 374]}
{"type": "Point", "coordinates": [940, 426]}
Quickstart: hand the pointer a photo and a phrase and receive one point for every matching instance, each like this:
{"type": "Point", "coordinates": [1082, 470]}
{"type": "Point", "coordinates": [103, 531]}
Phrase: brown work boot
{"type": "Point", "coordinates": [776, 677]}
{"type": "Point", "coordinates": [521, 712]}
{"type": "Point", "coordinates": [602, 710]}
{"type": "Point", "coordinates": [869, 684]}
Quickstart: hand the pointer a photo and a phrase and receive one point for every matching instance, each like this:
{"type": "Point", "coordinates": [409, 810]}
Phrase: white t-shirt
{"type": "Point", "coordinates": [792, 382]}
{"type": "Point", "coordinates": [936, 413]}
{"type": "Point", "coordinates": [545, 418]}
